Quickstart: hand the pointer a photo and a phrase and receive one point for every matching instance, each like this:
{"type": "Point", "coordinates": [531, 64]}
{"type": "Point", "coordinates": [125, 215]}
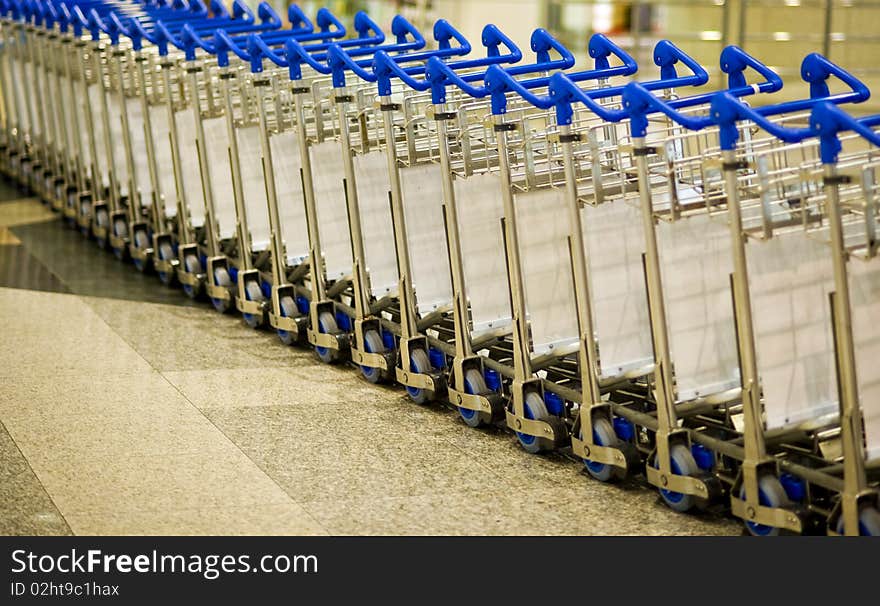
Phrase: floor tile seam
{"type": "Point", "coordinates": [36, 477]}
{"type": "Point", "coordinates": [245, 454]}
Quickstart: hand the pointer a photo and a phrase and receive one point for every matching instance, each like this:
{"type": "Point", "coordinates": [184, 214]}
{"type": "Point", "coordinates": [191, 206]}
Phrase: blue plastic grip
{"type": "Point", "coordinates": [827, 120]}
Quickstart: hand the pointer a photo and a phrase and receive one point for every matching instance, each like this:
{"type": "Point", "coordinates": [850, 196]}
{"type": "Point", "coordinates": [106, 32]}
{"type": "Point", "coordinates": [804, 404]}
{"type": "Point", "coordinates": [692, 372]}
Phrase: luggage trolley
{"type": "Point", "coordinates": [79, 182]}
{"type": "Point", "coordinates": [200, 138]}
{"type": "Point", "coordinates": [283, 169]}
{"type": "Point", "coordinates": [170, 150]}
{"type": "Point", "coordinates": [615, 172]}
{"type": "Point", "coordinates": [413, 179]}
{"type": "Point", "coordinates": [274, 214]}
{"type": "Point", "coordinates": [33, 161]}
{"type": "Point", "coordinates": [466, 158]}
{"type": "Point", "coordinates": [264, 108]}
{"type": "Point", "coordinates": [371, 228]}
{"type": "Point", "coordinates": [33, 99]}
{"type": "Point", "coordinates": [326, 185]}
{"type": "Point", "coordinates": [68, 183]}
{"type": "Point", "coordinates": [7, 136]}
{"type": "Point", "coordinates": [269, 20]}
{"type": "Point", "coordinates": [412, 173]}
{"type": "Point", "coordinates": [563, 320]}
{"type": "Point", "coordinates": [23, 157]}
{"type": "Point", "coordinates": [782, 284]}
{"type": "Point", "coordinates": [54, 179]}
{"type": "Point", "coordinates": [849, 216]}
{"type": "Point", "coordinates": [680, 187]}
{"type": "Point", "coordinates": [301, 25]}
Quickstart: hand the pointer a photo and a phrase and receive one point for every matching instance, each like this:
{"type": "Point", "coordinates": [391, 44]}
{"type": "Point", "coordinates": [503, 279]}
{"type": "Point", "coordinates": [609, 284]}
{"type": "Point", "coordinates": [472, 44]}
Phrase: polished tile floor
{"type": "Point", "coordinates": [127, 409]}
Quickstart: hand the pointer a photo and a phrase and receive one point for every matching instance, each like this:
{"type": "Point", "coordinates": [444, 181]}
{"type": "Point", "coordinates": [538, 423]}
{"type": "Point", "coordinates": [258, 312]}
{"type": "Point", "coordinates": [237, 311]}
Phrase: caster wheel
{"type": "Point", "coordinates": [254, 293]}
{"type": "Point", "coordinates": [193, 266]}
{"type": "Point", "coordinates": [770, 494]}
{"type": "Point", "coordinates": [166, 253]}
{"type": "Point", "coordinates": [120, 230]}
{"type": "Point", "coordinates": [372, 344]}
{"type": "Point", "coordinates": [683, 464]}
{"type": "Point", "coordinates": [420, 364]}
{"type": "Point", "coordinates": [141, 241]}
{"type": "Point", "coordinates": [327, 324]}
{"type": "Point", "coordinates": [102, 219]}
{"type": "Point", "coordinates": [535, 410]}
{"type": "Point", "coordinates": [603, 435]}
{"type": "Point", "coordinates": [474, 384]}
{"type": "Point", "coordinates": [869, 522]}
{"type": "Point", "coordinates": [288, 309]}
{"type": "Point", "coordinates": [221, 278]}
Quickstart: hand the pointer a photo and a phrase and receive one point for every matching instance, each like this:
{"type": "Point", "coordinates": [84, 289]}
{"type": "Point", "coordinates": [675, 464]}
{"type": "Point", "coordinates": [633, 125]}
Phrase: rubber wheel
{"type": "Point", "coordinates": [535, 410]}
{"type": "Point", "coordinates": [603, 435]}
{"type": "Point", "coordinates": [327, 324]}
{"type": "Point", "coordinates": [474, 384]}
{"type": "Point", "coordinates": [193, 266]}
{"type": "Point", "coordinates": [221, 278]}
{"type": "Point", "coordinates": [253, 292]}
{"type": "Point", "coordinates": [166, 253]}
{"type": "Point", "coordinates": [288, 309]}
{"type": "Point", "coordinates": [869, 522]}
{"type": "Point", "coordinates": [420, 364]}
{"type": "Point", "coordinates": [120, 230]}
{"type": "Point", "coordinates": [372, 344]}
{"type": "Point", "coordinates": [85, 212]}
{"type": "Point", "coordinates": [141, 242]}
{"type": "Point", "coordinates": [683, 464]}
{"type": "Point", "coordinates": [770, 494]}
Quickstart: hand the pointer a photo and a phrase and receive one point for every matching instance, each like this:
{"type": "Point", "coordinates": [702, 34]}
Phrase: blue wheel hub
{"type": "Point", "coordinates": [669, 495]}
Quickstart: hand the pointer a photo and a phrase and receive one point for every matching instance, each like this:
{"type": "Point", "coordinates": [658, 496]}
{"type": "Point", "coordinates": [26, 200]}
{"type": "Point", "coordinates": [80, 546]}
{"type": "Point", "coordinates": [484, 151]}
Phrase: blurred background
{"type": "Point", "coordinates": [779, 32]}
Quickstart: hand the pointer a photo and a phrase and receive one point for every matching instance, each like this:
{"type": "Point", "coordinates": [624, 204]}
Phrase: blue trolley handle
{"type": "Point", "coordinates": [639, 101]}
{"type": "Point", "coordinates": [98, 25]}
{"type": "Point", "coordinates": [385, 67]}
{"type": "Point", "coordinates": [258, 47]}
{"type": "Point", "coordinates": [499, 82]}
{"type": "Point", "coordinates": [441, 75]}
{"type": "Point", "coordinates": [189, 39]}
{"type": "Point", "coordinates": [564, 90]}
{"type": "Point", "coordinates": [339, 61]}
{"type": "Point", "coordinates": [827, 120]}
{"type": "Point", "coordinates": [299, 22]}
{"type": "Point", "coordinates": [726, 108]}
{"type": "Point", "coordinates": [296, 54]}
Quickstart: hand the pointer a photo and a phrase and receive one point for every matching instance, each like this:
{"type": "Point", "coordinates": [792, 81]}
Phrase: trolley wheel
{"type": "Point", "coordinates": [193, 266]}
{"type": "Point", "coordinates": [373, 344]}
{"type": "Point", "coordinates": [141, 241]}
{"type": "Point", "coordinates": [102, 219]}
{"type": "Point", "coordinates": [420, 364]}
{"type": "Point", "coordinates": [288, 309]}
{"type": "Point", "coordinates": [683, 464]}
{"type": "Point", "coordinates": [254, 293]}
{"type": "Point", "coordinates": [603, 435]}
{"type": "Point", "coordinates": [536, 410]}
{"type": "Point", "coordinates": [85, 211]}
{"type": "Point", "coordinates": [327, 324]}
{"type": "Point", "coordinates": [166, 253]}
{"type": "Point", "coordinates": [120, 230]}
{"type": "Point", "coordinates": [770, 494]}
{"type": "Point", "coordinates": [221, 278]}
{"type": "Point", "coordinates": [474, 384]}
{"type": "Point", "coordinates": [869, 522]}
